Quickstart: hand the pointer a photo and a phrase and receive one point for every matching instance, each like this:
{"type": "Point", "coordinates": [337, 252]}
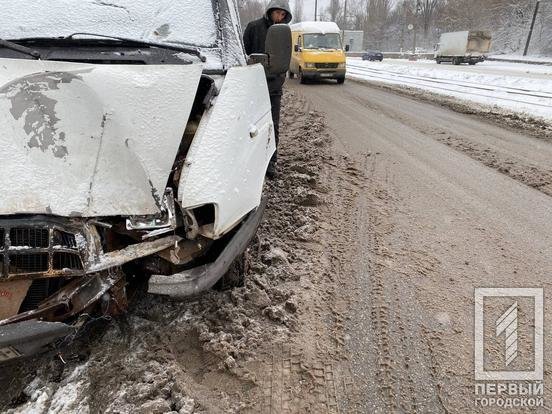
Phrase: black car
{"type": "Point", "coordinates": [372, 55]}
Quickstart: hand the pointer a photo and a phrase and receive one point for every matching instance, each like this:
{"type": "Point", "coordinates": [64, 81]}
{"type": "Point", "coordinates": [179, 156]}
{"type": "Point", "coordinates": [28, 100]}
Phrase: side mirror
{"type": "Point", "coordinates": [278, 48]}
{"type": "Point", "coordinates": [347, 48]}
{"type": "Point", "coordinates": [296, 48]}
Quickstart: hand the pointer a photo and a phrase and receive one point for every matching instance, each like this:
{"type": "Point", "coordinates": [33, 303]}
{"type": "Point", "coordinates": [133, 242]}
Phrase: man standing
{"type": "Point", "coordinates": [254, 37]}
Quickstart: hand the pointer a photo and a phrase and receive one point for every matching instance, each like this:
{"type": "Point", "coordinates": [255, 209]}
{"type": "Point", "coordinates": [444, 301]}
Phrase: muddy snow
{"type": "Point", "coordinates": [215, 353]}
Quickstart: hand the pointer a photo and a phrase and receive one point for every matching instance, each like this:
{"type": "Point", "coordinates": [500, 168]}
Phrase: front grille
{"type": "Point", "coordinates": [38, 251]}
{"type": "Point", "coordinates": [325, 65]}
{"type": "Point", "coordinates": [29, 237]}
{"type": "Point", "coordinates": [63, 260]}
{"type": "Point", "coordinates": [64, 239]}
{"type": "Point", "coordinates": [28, 263]}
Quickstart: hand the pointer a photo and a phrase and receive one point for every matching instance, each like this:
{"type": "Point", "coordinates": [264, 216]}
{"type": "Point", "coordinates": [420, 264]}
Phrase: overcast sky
{"type": "Point", "coordinates": [308, 8]}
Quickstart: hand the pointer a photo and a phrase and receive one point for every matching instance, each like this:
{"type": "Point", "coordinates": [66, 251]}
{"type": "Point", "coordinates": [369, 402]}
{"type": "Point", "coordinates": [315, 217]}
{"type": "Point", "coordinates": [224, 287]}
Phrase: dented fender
{"type": "Point", "coordinates": [228, 157]}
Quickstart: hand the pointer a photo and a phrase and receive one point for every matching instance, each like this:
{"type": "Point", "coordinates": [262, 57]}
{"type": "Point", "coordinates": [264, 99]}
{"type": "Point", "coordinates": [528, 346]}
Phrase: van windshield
{"type": "Point", "coordinates": [322, 41]}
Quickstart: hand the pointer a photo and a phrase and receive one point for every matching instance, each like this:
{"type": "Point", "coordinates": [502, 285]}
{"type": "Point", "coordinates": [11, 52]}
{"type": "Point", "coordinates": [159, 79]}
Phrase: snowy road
{"type": "Point", "coordinates": [449, 202]}
{"type": "Point", "coordinates": [515, 87]}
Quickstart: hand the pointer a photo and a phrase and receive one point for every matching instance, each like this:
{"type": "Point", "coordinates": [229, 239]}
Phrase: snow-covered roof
{"type": "Point", "coordinates": [316, 27]}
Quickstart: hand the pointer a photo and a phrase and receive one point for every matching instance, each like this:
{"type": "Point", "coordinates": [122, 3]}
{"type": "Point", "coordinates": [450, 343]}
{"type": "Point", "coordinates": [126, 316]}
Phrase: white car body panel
{"type": "Point", "coordinates": [453, 44]}
{"type": "Point", "coordinates": [90, 140]}
{"type": "Point", "coordinates": [210, 25]}
{"type": "Point", "coordinates": [227, 160]}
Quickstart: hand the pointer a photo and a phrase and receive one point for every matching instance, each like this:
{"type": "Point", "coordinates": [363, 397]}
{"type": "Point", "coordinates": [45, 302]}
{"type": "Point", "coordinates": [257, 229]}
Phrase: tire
{"type": "Point", "coordinates": [340, 80]}
{"type": "Point", "coordinates": [455, 61]}
{"type": "Point", "coordinates": [291, 74]}
{"type": "Point", "coordinates": [235, 277]}
{"type": "Point", "coordinates": [472, 63]}
{"type": "Point", "coordinates": [438, 61]}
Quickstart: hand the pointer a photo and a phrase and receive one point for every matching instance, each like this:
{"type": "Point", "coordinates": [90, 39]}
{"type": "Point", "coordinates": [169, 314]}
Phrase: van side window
{"type": "Point", "coordinates": [299, 41]}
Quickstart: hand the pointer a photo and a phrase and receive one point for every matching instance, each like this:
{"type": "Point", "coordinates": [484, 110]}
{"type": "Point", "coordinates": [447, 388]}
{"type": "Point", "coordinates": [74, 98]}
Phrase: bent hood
{"type": "Point", "coordinates": [90, 140]}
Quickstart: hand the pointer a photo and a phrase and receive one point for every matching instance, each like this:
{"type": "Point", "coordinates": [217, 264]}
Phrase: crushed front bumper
{"type": "Point", "coordinates": [318, 74]}
{"type": "Point", "coordinates": [196, 280]}
{"type": "Point", "coordinates": [27, 338]}
{"type": "Point", "coordinates": [54, 270]}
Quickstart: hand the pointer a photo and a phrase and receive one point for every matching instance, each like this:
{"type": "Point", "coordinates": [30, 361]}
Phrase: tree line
{"type": "Point", "coordinates": [390, 25]}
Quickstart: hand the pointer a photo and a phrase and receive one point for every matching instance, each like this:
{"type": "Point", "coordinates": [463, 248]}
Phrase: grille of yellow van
{"type": "Point", "coordinates": [325, 65]}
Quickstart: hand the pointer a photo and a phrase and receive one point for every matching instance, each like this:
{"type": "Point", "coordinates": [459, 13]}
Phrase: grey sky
{"type": "Point", "coordinates": [308, 8]}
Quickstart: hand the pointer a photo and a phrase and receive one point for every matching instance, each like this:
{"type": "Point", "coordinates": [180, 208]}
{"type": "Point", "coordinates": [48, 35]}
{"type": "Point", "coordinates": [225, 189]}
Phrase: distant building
{"type": "Point", "coordinates": [354, 38]}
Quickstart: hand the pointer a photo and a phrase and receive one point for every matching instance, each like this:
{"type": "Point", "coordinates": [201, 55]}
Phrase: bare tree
{"type": "Point", "coordinates": [298, 11]}
{"type": "Point", "coordinates": [250, 10]}
{"type": "Point", "coordinates": [334, 10]}
{"type": "Point", "coordinates": [385, 22]}
{"type": "Point", "coordinates": [427, 10]}
{"type": "Point", "coordinates": [376, 19]}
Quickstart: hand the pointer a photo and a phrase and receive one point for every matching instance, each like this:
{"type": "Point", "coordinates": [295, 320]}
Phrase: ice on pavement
{"type": "Point", "coordinates": [517, 87]}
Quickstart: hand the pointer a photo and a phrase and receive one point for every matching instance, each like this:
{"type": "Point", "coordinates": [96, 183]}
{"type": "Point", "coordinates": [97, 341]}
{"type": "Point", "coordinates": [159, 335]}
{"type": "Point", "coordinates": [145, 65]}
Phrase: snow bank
{"type": "Point", "coordinates": [517, 87]}
{"type": "Point", "coordinates": [541, 59]}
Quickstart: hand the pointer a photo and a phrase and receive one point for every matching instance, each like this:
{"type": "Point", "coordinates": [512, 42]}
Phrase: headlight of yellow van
{"type": "Point", "coordinates": [310, 65]}
{"type": "Point", "coordinates": [341, 65]}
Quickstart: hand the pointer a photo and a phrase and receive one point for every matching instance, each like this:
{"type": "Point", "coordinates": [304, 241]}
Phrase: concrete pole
{"type": "Point", "coordinates": [315, 9]}
{"type": "Point", "coordinates": [531, 29]}
{"type": "Point", "coordinates": [415, 24]}
{"type": "Point", "coordinates": [345, 16]}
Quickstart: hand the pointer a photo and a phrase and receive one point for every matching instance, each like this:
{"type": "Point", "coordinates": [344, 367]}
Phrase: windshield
{"type": "Point", "coordinates": [322, 41]}
{"type": "Point", "coordinates": [190, 22]}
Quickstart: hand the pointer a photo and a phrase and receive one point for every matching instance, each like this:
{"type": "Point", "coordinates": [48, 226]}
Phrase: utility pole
{"type": "Point", "coordinates": [531, 29]}
{"type": "Point", "coordinates": [315, 9]}
{"type": "Point", "coordinates": [415, 28]}
{"type": "Point", "coordinates": [345, 16]}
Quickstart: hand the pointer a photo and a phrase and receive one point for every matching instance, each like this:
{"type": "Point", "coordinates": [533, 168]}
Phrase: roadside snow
{"type": "Point", "coordinates": [520, 88]}
{"type": "Point", "coordinates": [56, 398]}
{"type": "Point", "coordinates": [545, 59]}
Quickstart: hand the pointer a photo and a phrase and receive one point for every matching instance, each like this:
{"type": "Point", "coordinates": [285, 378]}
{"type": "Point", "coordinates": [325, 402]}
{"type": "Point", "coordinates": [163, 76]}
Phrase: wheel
{"type": "Point", "coordinates": [235, 277]}
{"type": "Point", "coordinates": [472, 63]}
{"type": "Point", "coordinates": [301, 77]}
{"type": "Point", "coordinates": [438, 61]}
{"type": "Point", "coordinates": [340, 80]}
{"type": "Point", "coordinates": [456, 61]}
{"type": "Point", "coordinates": [291, 74]}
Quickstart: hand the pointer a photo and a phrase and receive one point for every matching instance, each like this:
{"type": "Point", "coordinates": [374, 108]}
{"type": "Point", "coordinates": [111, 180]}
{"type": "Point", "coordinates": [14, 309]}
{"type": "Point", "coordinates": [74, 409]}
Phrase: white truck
{"type": "Point", "coordinates": [134, 139]}
{"type": "Point", "coordinates": [463, 47]}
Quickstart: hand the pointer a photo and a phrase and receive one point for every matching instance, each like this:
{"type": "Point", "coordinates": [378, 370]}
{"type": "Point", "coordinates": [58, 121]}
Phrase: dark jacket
{"type": "Point", "coordinates": [254, 39]}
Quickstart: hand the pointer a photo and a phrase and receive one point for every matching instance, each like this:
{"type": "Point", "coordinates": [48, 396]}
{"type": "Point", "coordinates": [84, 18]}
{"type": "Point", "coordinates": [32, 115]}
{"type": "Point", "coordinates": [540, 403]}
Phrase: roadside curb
{"type": "Point", "coordinates": [530, 62]}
